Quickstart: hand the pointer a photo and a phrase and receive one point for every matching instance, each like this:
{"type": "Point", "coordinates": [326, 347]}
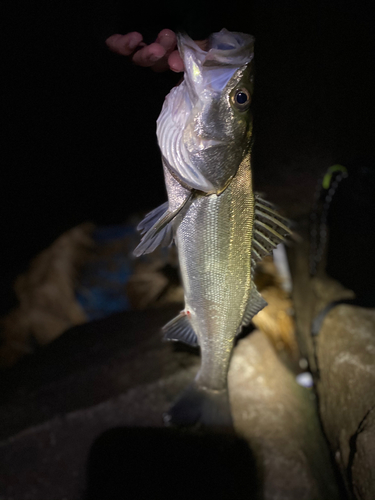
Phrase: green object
{"type": "Point", "coordinates": [327, 178]}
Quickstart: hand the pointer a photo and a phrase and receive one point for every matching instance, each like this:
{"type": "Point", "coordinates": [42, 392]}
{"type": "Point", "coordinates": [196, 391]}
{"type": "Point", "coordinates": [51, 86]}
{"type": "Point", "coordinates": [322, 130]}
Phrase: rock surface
{"type": "Point", "coordinates": [345, 351]}
{"type": "Point", "coordinates": [117, 372]}
{"type": "Point", "coordinates": [277, 417]}
{"type": "Point", "coordinates": [341, 358]}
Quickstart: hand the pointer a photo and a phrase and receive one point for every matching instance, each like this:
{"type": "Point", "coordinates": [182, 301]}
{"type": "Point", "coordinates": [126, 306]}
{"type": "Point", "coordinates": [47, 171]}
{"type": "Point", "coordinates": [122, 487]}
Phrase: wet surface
{"type": "Point", "coordinates": [117, 373]}
{"type": "Point", "coordinates": [340, 355]}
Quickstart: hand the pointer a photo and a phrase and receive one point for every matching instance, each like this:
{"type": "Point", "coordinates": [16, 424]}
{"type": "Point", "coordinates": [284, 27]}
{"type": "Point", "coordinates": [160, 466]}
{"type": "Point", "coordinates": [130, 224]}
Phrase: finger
{"type": "Point", "coordinates": [175, 62]}
{"type": "Point", "coordinates": [161, 65]}
{"type": "Point", "coordinates": [124, 44]}
{"type": "Point", "coordinates": [149, 55]}
{"type": "Point", "coordinates": [167, 39]}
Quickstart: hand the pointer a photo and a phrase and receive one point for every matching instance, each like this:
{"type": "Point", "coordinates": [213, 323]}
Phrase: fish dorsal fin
{"type": "Point", "coordinates": [179, 328]}
{"type": "Point", "coordinates": [159, 233]}
{"type": "Point", "coordinates": [256, 303]}
{"type": "Point", "coordinates": [270, 229]}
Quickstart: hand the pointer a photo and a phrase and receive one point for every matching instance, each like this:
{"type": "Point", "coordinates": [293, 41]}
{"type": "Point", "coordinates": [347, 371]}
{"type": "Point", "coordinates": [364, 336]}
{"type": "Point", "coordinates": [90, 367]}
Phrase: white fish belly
{"type": "Point", "coordinates": [214, 244]}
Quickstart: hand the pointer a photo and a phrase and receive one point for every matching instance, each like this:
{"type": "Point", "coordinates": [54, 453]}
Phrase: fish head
{"type": "Point", "coordinates": [207, 119]}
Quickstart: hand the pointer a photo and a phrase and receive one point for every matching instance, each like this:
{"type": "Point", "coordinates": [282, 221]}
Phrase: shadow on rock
{"type": "Point", "coordinates": [147, 462]}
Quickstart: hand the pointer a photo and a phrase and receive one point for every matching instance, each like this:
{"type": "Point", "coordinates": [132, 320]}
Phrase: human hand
{"type": "Point", "coordinates": [160, 55]}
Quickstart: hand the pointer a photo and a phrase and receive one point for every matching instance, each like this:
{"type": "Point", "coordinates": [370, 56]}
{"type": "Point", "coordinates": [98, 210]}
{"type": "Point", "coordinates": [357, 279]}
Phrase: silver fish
{"type": "Point", "coordinates": [221, 228]}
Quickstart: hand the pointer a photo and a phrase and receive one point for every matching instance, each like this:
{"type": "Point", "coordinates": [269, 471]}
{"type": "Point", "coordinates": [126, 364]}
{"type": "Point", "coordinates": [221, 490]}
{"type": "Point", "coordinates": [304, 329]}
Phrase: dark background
{"type": "Point", "coordinates": [79, 142]}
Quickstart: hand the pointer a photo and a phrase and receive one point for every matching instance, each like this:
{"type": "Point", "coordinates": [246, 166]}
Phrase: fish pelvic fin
{"type": "Point", "coordinates": [157, 228]}
{"type": "Point", "coordinates": [180, 329]}
{"type": "Point", "coordinates": [270, 229]}
{"type": "Point", "coordinates": [201, 407]}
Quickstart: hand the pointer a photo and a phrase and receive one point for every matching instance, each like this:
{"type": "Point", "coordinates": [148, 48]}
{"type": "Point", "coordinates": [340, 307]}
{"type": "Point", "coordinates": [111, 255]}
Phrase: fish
{"type": "Point", "coordinates": [220, 226]}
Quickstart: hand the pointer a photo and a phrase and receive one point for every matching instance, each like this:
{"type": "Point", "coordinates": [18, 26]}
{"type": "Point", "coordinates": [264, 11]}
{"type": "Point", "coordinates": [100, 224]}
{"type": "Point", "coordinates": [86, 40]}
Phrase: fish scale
{"type": "Point", "coordinates": [214, 244]}
{"type": "Point", "coordinates": [204, 133]}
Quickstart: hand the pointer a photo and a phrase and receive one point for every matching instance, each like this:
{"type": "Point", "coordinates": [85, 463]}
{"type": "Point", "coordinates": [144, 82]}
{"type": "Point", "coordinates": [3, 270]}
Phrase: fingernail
{"type": "Point", "coordinates": [175, 68]}
{"type": "Point", "coordinates": [154, 58]}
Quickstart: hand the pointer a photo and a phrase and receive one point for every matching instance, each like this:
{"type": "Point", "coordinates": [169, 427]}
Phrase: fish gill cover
{"type": "Point", "coordinates": [196, 117]}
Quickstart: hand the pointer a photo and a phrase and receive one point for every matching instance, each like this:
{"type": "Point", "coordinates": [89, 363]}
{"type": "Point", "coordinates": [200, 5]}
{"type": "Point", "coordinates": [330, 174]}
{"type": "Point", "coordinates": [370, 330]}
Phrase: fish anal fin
{"type": "Point", "coordinates": [180, 329]}
{"type": "Point", "coordinates": [255, 304]}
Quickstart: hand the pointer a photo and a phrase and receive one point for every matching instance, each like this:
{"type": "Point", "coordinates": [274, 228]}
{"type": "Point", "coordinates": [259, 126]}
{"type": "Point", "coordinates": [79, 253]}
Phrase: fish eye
{"type": "Point", "coordinates": [241, 99]}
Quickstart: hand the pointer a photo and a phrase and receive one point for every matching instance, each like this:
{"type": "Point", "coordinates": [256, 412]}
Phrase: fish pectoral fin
{"type": "Point", "coordinates": [159, 233]}
{"type": "Point", "coordinates": [270, 229]}
{"type": "Point", "coordinates": [256, 303]}
{"type": "Point", "coordinates": [180, 329]}
{"type": "Point", "coordinates": [151, 218]}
